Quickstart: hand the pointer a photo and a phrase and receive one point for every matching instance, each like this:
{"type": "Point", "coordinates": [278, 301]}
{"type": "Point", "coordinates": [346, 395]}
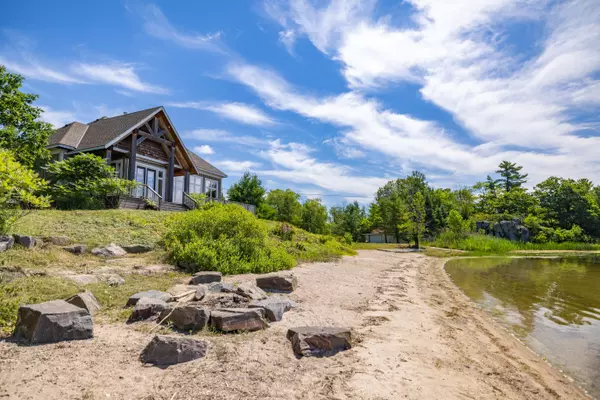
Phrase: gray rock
{"type": "Point", "coordinates": [58, 240]}
{"type": "Point", "coordinates": [153, 294]}
{"type": "Point", "coordinates": [185, 293]}
{"type": "Point", "coordinates": [138, 248]}
{"type": "Point", "coordinates": [277, 282]}
{"type": "Point", "coordinates": [188, 317]}
{"type": "Point", "coordinates": [28, 242]}
{"type": "Point", "coordinates": [251, 291]}
{"type": "Point", "coordinates": [274, 307]}
{"type": "Point", "coordinates": [319, 341]}
{"type": "Point", "coordinates": [238, 319]}
{"type": "Point", "coordinates": [206, 277]}
{"type": "Point", "coordinates": [224, 300]}
{"type": "Point", "coordinates": [200, 293]}
{"type": "Point", "coordinates": [6, 242]}
{"type": "Point", "coordinates": [115, 280]}
{"type": "Point", "coordinates": [51, 322]}
{"type": "Point", "coordinates": [168, 350]}
{"type": "Point", "coordinates": [147, 307]}
{"type": "Point", "coordinates": [511, 230]}
{"type": "Point", "coordinates": [219, 287]}
{"type": "Point", "coordinates": [76, 249]}
{"type": "Point", "coordinates": [112, 250]}
{"type": "Point", "coordinates": [85, 300]}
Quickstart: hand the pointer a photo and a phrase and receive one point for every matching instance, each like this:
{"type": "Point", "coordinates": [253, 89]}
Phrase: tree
{"type": "Point", "coordinates": [457, 225]}
{"type": "Point", "coordinates": [374, 216]}
{"type": "Point", "coordinates": [314, 216]}
{"type": "Point", "coordinates": [349, 219]}
{"type": "Point", "coordinates": [21, 132]}
{"type": "Point", "coordinates": [286, 205]}
{"type": "Point", "coordinates": [511, 175]}
{"type": "Point", "coordinates": [247, 190]}
{"type": "Point", "coordinates": [464, 202]}
{"type": "Point", "coordinates": [415, 218]}
{"type": "Point", "coordinates": [84, 181]}
{"type": "Point", "coordinates": [19, 191]}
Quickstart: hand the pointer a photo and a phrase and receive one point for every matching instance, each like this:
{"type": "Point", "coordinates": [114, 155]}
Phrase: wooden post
{"type": "Point", "coordinates": [108, 155]}
{"type": "Point", "coordinates": [133, 156]}
{"type": "Point", "coordinates": [171, 173]}
{"type": "Point", "coordinates": [186, 181]}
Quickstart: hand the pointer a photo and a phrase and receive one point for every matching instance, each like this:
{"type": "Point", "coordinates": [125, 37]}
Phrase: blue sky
{"type": "Point", "coordinates": [331, 99]}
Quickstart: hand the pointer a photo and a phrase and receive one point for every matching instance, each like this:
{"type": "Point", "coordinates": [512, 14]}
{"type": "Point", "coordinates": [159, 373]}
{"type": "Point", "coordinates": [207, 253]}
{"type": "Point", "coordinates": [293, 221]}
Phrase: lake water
{"type": "Point", "coordinates": [551, 304]}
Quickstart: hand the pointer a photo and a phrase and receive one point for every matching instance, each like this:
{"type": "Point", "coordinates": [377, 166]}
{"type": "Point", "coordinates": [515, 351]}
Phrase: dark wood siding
{"type": "Point", "coordinates": [152, 149]}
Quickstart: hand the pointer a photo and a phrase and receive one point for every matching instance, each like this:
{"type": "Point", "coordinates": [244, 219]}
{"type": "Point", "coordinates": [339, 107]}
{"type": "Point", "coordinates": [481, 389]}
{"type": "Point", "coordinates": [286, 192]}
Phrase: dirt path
{"type": "Point", "coordinates": [416, 336]}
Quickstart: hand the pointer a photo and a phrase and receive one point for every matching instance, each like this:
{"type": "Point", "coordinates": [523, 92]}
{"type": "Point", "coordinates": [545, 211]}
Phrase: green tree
{"type": "Point", "coordinates": [457, 225]}
{"type": "Point", "coordinates": [247, 190]}
{"type": "Point", "coordinates": [464, 202]}
{"type": "Point", "coordinates": [84, 181]}
{"type": "Point", "coordinates": [286, 205]}
{"type": "Point", "coordinates": [314, 216]}
{"type": "Point", "coordinates": [350, 219]}
{"type": "Point", "coordinates": [19, 191]}
{"type": "Point", "coordinates": [511, 175]}
{"type": "Point", "coordinates": [415, 218]}
{"type": "Point", "coordinates": [374, 216]}
{"type": "Point", "coordinates": [21, 131]}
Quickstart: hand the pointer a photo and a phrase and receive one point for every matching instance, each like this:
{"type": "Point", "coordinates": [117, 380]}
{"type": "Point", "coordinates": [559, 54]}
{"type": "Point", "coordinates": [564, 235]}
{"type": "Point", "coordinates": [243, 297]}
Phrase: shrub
{"type": "Point", "coordinates": [200, 198]}
{"type": "Point", "coordinates": [224, 238]}
{"type": "Point", "coordinates": [284, 231]}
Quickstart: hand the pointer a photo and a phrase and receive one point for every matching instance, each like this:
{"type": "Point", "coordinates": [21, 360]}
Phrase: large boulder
{"type": "Point", "coordinates": [154, 294]}
{"type": "Point", "coordinates": [277, 282]}
{"type": "Point", "coordinates": [51, 322]}
{"type": "Point", "coordinates": [187, 317]}
{"type": "Point", "coordinates": [238, 319]}
{"type": "Point", "coordinates": [29, 242]}
{"type": "Point", "coordinates": [77, 249]}
{"type": "Point", "coordinates": [137, 248]}
{"type": "Point", "coordinates": [85, 300]}
{"type": "Point", "coordinates": [224, 300]}
{"type": "Point", "coordinates": [147, 307]}
{"type": "Point", "coordinates": [319, 341]}
{"type": "Point", "coordinates": [112, 250]}
{"type": "Point", "coordinates": [251, 291]}
{"type": "Point", "coordinates": [511, 230]}
{"type": "Point", "coordinates": [168, 350]}
{"type": "Point", "coordinates": [6, 242]}
{"type": "Point", "coordinates": [58, 240]}
{"type": "Point", "coordinates": [274, 307]}
{"type": "Point", "coordinates": [206, 277]}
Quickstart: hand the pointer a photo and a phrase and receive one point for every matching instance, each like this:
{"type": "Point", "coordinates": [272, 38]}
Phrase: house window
{"type": "Point", "coordinates": [195, 184]}
{"type": "Point", "coordinates": [212, 189]}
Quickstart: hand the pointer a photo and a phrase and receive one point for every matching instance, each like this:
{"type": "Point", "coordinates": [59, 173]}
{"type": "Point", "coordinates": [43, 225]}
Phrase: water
{"type": "Point", "coordinates": [551, 304]}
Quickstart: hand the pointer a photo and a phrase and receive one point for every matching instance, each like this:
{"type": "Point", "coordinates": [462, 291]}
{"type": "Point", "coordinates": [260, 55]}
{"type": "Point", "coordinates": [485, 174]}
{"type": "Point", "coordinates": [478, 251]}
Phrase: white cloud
{"type": "Point", "coordinates": [343, 149]}
{"type": "Point", "coordinates": [58, 118]}
{"type": "Point", "coordinates": [218, 135]}
{"type": "Point", "coordinates": [240, 112]}
{"type": "Point", "coordinates": [237, 166]}
{"type": "Point", "coordinates": [204, 149]}
{"type": "Point", "coordinates": [157, 25]}
{"type": "Point", "coordinates": [34, 69]}
{"type": "Point", "coordinates": [288, 38]}
{"type": "Point", "coordinates": [117, 74]}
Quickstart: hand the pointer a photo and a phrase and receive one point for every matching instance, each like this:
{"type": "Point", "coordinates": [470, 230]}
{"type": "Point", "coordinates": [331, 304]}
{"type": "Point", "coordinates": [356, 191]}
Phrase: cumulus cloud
{"type": "Point", "coordinates": [240, 112]}
{"type": "Point", "coordinates": [204, 149]}
{"type": "Point", "coordinates": [237, 166]}
{"type": "Point", "coordinates": [118, 74]}
{"type": "Point", "coordinates": [219, 135]}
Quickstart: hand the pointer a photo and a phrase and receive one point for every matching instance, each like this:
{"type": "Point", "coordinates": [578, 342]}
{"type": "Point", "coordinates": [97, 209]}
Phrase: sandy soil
{"type": "Point", "coordinates": [416, 336]}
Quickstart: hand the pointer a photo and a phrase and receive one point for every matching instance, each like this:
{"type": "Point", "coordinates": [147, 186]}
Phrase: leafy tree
{"type": "Point", "coordinates": [515, 203]}
{"type": "Point", "coordinates": [391, 206]}
{"type": "Point", "coordinates": [415, 218]}
{"type": "Point", "coordinates": [286, 205]}
{"type": "Point", "coordinates": [19, 188]}
{"type": "Point", "coordinates": [247, 190]}
{"type": "Point", "coordinates": [84, 181]}
{"type": "Point", "coordinates": [350, 219]}
{"type": "Point", "coordinates": [20, 129]}
{"type": "Point", "coordinates": [374, 216]}
{"type": "Point", "coordinates": [457, 225]}
{"type": "Point", "coordinates": [511, 175]}
{"type": "Point", "coordinates": [464, 202]}
{"type": "Point", "coordinates": [314, 216]}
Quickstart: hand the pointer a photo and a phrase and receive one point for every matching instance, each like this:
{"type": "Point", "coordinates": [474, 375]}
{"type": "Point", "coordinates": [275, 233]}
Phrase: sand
{"type": "Point", "coordinates": [416, 336]}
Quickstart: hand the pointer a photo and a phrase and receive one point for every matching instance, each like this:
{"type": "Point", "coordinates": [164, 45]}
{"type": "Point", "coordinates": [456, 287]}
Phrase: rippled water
{"type": "Point", "coordinates": [552, 304]}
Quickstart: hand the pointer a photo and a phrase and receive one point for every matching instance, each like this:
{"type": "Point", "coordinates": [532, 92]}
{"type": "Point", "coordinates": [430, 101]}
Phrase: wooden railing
{"type": "Point", "coordinates": [144, 191]}
{"type": "Point", "coordinates": [189, 202]}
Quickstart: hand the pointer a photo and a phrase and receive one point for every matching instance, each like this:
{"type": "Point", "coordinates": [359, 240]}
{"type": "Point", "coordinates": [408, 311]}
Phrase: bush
{"type": "Point", "coordinates": [283, 231]}
{"type": "Point", "coordinates": [224, 238]}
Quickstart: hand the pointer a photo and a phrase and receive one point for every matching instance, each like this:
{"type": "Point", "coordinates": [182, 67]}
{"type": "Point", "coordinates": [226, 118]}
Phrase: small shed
{"type": "Point", "coordinates": [378, 236]}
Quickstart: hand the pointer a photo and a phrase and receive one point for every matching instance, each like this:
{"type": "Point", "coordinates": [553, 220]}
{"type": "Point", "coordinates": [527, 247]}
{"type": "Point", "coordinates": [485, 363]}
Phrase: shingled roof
{"type": "Point", "coordinates": [204, 165]}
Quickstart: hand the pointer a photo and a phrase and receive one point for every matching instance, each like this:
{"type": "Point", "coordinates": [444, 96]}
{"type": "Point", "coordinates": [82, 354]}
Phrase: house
{"type": "Point", "coordinates": [378, 236]}
{"type": "Point", "coordinates": [143, 146]}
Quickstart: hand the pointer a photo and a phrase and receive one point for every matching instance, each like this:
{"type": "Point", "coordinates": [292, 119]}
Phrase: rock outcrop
{"type": "Point", "coordinates": [511, 230]}
{"type": "Point", "coordinates": [168, 350]}
{"type": "Point", "coordinates": [318, 341]}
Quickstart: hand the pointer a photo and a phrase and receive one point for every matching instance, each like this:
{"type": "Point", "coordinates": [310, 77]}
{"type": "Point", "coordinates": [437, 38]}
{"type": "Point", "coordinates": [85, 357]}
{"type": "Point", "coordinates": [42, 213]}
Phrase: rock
{"type": "Point", "coordinates": [153, 294]}
{"type": "Point", "coordinates": [138, 248]}
{"type": "Point", "coordinates": [188, 317]}
{"type": "Point", "coordinates": [274, 307]}
{"type": "Point", "coordinates": [319, 341]}
{"type": "Point", "coordinates": [511, 230]}
{"type": "Point", "coordinates": [115, 280]}
{"type": "Point", "coordinates": [219, 287]}
{"type": "Point", "coordinates": [205, 277]}
{"type": "Point", "coordinates": [238, 319]}
{"type": "Point", "coordinates": [51, 322]}
{"type": "Point", "coordinates": [85, 300]}
{"type": "Point", "coordinates": [251, 291]}
{"type": "Point", "coordinates": [186, 293]}
{"type": "Point", "coordinates": [6, 242]}
{"type": "Point", "coordinates": [112, 250]}
{"type": "Point", "coordinates": [147, 307]}
{"type": "Point", "coordinates": [58, 240]}
{"type": "Point", "coordinates": [224, 300]}
{"type": "Point", "coordinates": [76, 249]}
{"type": "Point", "coordinates": [28, 242]}
{"type": "Point", "coordinates": [277, 282]}
{"type": "Point", "coordinates": [200, 293]}
{"type": "Point", "coordinates": [168, 350]}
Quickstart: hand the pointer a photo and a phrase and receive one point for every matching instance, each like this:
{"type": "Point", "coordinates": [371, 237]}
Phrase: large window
{"type": "Point", "coordinates": [212, 189]}
{"type": "Point", "coordinates": [195, 184]}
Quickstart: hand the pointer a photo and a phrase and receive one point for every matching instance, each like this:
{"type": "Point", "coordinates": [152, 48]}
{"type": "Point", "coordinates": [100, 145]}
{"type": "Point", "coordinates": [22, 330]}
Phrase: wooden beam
{"type": "Point", "coordinates": [171, 173]}
{"type": "Point", "coordinates": [144, 135]}
{"type": "Point", "coordinates": [155, 130]}
{"type": "Point", "coordinates": [186, 181]}
{"type": "Point", "coordinates": [133, 156]}
{"type": "Point", "coordinates": [108, 155]}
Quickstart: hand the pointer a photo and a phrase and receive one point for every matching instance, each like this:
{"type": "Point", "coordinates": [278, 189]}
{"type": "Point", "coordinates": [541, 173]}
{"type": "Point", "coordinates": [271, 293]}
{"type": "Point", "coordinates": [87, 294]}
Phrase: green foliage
{"type": "Point", "coordinates": [21, 131]}
{"type": "Point", "coordinates": [314, 217]}
{"type": "Point", "coordinates": [247, 190]}
{"type": "Point", "coordinates": [286, 205]}
{"type": "Point", "coordinates": [84, 181]}
{"type": "Point", "coordinates": [224, 238]}
{"type": "Point", "coordinates": [415, 222]}
{"type": "Point", "coordinates": [200, 199]}
{"type": "Point", "coordinates": [511, 176]}
{"type": "Point", "coordinates": [457, 225]}
{"type": "Point", "coordinates": [350, 219]}
{"type": "Point", "coordinates": [19, 188]}
{"type": "Point", "coordinates": [284, 231]}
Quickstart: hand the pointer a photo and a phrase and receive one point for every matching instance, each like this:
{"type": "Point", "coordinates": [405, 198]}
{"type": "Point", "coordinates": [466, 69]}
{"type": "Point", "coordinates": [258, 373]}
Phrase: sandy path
{"type": "Point", "coordinates": [416, 337]}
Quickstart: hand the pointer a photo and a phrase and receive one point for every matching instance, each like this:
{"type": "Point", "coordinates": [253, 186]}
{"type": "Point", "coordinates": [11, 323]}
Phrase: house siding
{"type": "Point", "coordinates": [151, 149]}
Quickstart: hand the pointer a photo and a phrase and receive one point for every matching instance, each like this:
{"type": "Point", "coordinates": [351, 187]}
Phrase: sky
{"type": "Point", "coordinates": [330, 98]}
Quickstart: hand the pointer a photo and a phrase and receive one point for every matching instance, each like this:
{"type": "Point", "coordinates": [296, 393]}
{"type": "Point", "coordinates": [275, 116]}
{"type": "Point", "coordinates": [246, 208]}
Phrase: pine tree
{"type": "Point", "coordinates": [511, 175]}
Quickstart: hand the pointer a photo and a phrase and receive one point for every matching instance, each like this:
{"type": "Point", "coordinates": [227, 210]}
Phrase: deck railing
{"type": "Point", "coordinates": [144, 191]}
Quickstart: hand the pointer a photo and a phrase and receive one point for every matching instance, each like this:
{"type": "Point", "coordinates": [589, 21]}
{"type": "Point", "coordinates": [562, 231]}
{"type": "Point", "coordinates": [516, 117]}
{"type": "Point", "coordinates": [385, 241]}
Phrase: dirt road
{"type": "Point", "coordinates": [416, 336]}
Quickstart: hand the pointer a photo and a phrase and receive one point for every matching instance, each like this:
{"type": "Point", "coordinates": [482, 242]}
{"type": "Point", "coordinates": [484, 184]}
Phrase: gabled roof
{"type": "Point", "coordinates": [203, 165]}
